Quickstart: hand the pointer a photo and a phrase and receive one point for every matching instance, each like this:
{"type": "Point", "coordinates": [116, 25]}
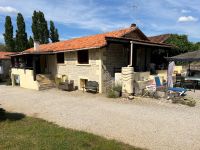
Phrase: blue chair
{"type": "Point", "coordinates": [159, 86]}
{"type": "Point", "coordinates": [181, 91]}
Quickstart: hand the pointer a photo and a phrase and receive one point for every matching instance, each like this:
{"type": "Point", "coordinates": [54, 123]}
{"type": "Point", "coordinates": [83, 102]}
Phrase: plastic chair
{"type": "Point", "coordinates": [159, 86]}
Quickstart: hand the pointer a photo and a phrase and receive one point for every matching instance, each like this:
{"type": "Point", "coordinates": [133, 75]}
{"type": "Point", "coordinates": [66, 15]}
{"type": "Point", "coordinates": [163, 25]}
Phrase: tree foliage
{"type": "Point", "coordinates": [40, 27]}
{"type": "Point", "coordinates": [3, 48]}
{"type": "Point", "coordinates": [198, 45]}
{"type": "Point", "coordinates": [8, 35]}
{"type": "Point", "coordinates": [30, 42]}
{"type": "Point", "coordinates": [21, 35]}
{"type": "Point", "coordinates": [181, 43]}
{"type": "Point", "coordinates": [53, 32]}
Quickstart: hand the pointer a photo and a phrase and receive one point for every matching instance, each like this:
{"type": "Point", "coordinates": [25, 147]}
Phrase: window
{"type": "Point", "coordinates": [83, 57]}
{"type": "Point", "coordinates": [60, 58]}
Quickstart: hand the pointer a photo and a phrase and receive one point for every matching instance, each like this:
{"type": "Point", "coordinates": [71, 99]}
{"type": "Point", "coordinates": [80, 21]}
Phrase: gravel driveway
{"type": "Point", "coordinates": [143, 123]}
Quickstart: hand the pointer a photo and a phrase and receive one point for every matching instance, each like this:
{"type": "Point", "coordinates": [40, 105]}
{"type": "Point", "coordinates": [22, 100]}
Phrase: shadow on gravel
{"type": "Point", "coordinates": [10, 116]}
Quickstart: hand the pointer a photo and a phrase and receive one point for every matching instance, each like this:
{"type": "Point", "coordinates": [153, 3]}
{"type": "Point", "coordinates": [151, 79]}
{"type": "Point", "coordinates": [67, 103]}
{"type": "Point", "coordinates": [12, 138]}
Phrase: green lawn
{"type": "Point", "coordinates": [19, 132]}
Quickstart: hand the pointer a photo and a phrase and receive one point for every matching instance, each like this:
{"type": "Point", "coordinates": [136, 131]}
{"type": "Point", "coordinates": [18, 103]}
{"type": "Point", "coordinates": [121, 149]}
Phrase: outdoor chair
{"type": "Point", "coordinates": [179, 90]}
{"type": "Point", "coordinates": [66, 86]}
{"type": "Point", "coordinates": [159, 86]}
{"type": "Point", "coordinates": [91, 86]}
{"type": "Point", "coordinates": [154, 88]}
{"type": "Point", "coordinates": [150, 90]}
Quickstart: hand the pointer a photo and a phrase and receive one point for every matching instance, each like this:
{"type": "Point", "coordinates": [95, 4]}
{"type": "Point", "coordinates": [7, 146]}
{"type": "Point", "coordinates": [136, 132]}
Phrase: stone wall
{"type": "Point", "coordinates": [26, 78]}
{"type": "Point", "coordinates": [76, 72]}
{"type": "Point", "coordinates": [6, 63]}
{"type": "Point", "coordinates": [115, 56]}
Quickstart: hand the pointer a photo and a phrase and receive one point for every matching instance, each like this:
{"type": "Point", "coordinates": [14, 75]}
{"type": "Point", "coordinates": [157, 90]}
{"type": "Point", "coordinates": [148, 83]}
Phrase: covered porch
{"type": "Point", "coordinates": [34, 71]}
{"type": "Point", "coordinates": [142, 61]}
{"type": "Point", "coordinates": [141, 54]}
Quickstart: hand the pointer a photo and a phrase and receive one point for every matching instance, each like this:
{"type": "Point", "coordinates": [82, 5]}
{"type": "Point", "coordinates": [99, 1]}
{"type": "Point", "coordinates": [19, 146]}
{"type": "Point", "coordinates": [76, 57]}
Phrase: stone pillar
{"type": "Point", "coordinates": [127, 81]}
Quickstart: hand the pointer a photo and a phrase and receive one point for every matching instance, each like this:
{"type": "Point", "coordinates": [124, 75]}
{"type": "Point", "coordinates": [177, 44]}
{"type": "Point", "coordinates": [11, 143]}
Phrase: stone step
{"type": "Point", "coordinates": [42, 77]}
{"type": "Point", "coordinates": [45, 81]}
{"type": "Point", "coordinates": [46, 86]}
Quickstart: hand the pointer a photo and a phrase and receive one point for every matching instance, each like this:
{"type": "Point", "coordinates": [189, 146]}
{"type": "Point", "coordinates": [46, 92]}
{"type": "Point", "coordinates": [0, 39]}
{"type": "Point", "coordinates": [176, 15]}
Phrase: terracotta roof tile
{"type": "Point", "coordinates": [93, 41]}
{"type": "Point", "coordinates": [159, 38]}
{"type": "Point", "coordinates": [3, 55]}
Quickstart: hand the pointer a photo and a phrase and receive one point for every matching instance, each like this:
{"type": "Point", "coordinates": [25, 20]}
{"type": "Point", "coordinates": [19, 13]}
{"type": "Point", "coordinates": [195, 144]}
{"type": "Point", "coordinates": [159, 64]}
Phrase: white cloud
{"type": "Point", "coordinates": [185, 11]}
{"type": "Point", "coordinates": [187, 19]}
{"type": "Point", "coordinates": [86, 14]}
{"type": "Point", "coordinates": [97, 16]}
{"type": "Point", "coordinates": [8, 9]}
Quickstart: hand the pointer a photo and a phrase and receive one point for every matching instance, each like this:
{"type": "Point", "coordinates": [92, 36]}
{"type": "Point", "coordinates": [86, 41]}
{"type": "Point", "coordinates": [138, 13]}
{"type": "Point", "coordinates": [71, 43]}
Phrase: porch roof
{"type": "Point", "coordinates": [5, 55]}
{"type": "Point", "coordinates": [139, 42]}
{"type": "Point", "coordinates": [186, 57]}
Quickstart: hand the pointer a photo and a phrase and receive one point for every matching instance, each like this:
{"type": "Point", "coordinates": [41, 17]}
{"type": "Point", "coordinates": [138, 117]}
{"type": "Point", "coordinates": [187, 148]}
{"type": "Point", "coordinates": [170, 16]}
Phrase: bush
{"type": "Point", "coordinates": [117, 88]}
{"type": "Point", "coordinates": [189, 102]}
{"type": "Point", "coordinates": [185, 101]}
{"type": "Point", "coordinates": [111, 94]}
{"type": "Point", "coordinates": [115, 91]}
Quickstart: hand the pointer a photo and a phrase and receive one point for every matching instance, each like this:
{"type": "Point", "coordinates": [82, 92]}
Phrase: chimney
{"type": "Point", "coordinates": [36, 45]}
{"type": "Point", "coordinates": [133, 25]}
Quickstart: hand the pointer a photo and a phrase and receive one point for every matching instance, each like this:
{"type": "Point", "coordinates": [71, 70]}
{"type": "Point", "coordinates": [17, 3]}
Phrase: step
{"type": "Point", "coordinates": [46, 86]}
{"type": "Point", "coordinates": [43, 77]}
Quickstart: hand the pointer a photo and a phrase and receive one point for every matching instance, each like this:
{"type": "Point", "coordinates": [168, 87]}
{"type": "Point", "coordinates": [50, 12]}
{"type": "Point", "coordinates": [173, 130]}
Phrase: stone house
{"type": "Point", "coordinates": [5, 65]}
{"type": "Point", "coordinates": [160, 38]}
{"type": "Point", "coordinates": [92, 58]}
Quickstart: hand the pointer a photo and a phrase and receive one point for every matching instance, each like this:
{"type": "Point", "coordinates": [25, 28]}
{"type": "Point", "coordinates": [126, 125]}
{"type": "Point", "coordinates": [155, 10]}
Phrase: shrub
{"type": "Point", "coordinates": [190, 102]}
{"type": "Point", "coordinates": [117, 88]}
{"type": "Point", "coordinates": [115, 91]}
{"type": "Point", "coordinates": [185, 101]}
{"type": "Point", "coordinates": [111, 94]}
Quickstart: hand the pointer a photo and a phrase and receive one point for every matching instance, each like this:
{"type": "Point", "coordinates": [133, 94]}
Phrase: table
{"type": "Point", "coordinates": [195, 81]}
{"type": "Point", "coordinates": [192, 78]}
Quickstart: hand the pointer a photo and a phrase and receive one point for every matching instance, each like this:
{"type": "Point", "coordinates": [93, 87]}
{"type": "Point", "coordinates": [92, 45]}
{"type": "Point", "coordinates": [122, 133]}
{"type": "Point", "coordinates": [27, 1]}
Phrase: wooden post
{"type": "Point", "coordinates": [34, 68]}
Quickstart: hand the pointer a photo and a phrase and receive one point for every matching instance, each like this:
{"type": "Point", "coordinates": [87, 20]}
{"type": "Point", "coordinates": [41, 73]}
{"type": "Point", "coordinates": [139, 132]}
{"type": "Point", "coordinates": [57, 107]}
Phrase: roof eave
{"type": "Point", "coordinates": [148, 43]}
{"type": "Point", "coordinates": [54, 52]}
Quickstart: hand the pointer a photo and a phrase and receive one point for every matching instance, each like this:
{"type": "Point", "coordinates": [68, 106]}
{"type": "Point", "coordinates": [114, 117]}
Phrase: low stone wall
{"type": "Point", "coordinates": [26, 78]}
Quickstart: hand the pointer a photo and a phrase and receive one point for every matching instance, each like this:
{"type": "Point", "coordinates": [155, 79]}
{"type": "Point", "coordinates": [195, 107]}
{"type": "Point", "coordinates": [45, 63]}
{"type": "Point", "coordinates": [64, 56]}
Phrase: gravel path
{"type": "Point", "coordinates": [143, 123]}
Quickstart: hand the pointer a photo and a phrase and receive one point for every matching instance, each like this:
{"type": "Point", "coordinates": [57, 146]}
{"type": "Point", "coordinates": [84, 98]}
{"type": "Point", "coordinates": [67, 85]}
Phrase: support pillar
{"type": "Point", "coordinates": [127, 81]}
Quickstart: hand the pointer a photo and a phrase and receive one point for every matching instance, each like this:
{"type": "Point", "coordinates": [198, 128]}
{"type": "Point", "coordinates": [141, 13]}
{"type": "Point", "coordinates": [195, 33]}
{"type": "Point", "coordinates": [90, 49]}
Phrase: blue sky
{"type": "Point", "coordinates": [75, 18]}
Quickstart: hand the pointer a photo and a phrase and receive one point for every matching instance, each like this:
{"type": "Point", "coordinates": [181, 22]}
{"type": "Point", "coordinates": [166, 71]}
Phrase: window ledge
{"type": "Point", "coordinates": [83, 64]}
{"type": "Point", "coordinates": [61, 64]}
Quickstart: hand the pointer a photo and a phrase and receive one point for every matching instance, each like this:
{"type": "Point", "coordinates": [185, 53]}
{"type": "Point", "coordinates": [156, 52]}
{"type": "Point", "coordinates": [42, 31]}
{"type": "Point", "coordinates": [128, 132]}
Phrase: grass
{"type": "Point", "coordinates": [20, 132]}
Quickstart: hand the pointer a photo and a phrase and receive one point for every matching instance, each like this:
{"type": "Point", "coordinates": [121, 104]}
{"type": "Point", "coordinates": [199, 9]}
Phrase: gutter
{"type": "Point", "coordinates": [131, 55]}
{"type": "Point", "coordinates": [53, 52]}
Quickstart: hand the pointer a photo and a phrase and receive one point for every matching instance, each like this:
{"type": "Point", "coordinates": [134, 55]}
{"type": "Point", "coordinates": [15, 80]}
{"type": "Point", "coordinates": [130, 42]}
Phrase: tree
{"type": "Point", "coordinates": [182, 44]}
{"type": "Point", "coordinates": [3, 48]}
{"type": "Point", "coordinates": [8, 35]}
{"type": "Point", "coordinates": [21, 35]}
{"type": "Point", "coordinates": [30, 42]}
{"type": "Point", "coordinates": [40, 27]}
{"type": "Point", "coordinates": [53, 32]}
{"type": "Point", "coordinates": [198, 45]}
{"type": "Point", "coordinates": [35, 26]}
